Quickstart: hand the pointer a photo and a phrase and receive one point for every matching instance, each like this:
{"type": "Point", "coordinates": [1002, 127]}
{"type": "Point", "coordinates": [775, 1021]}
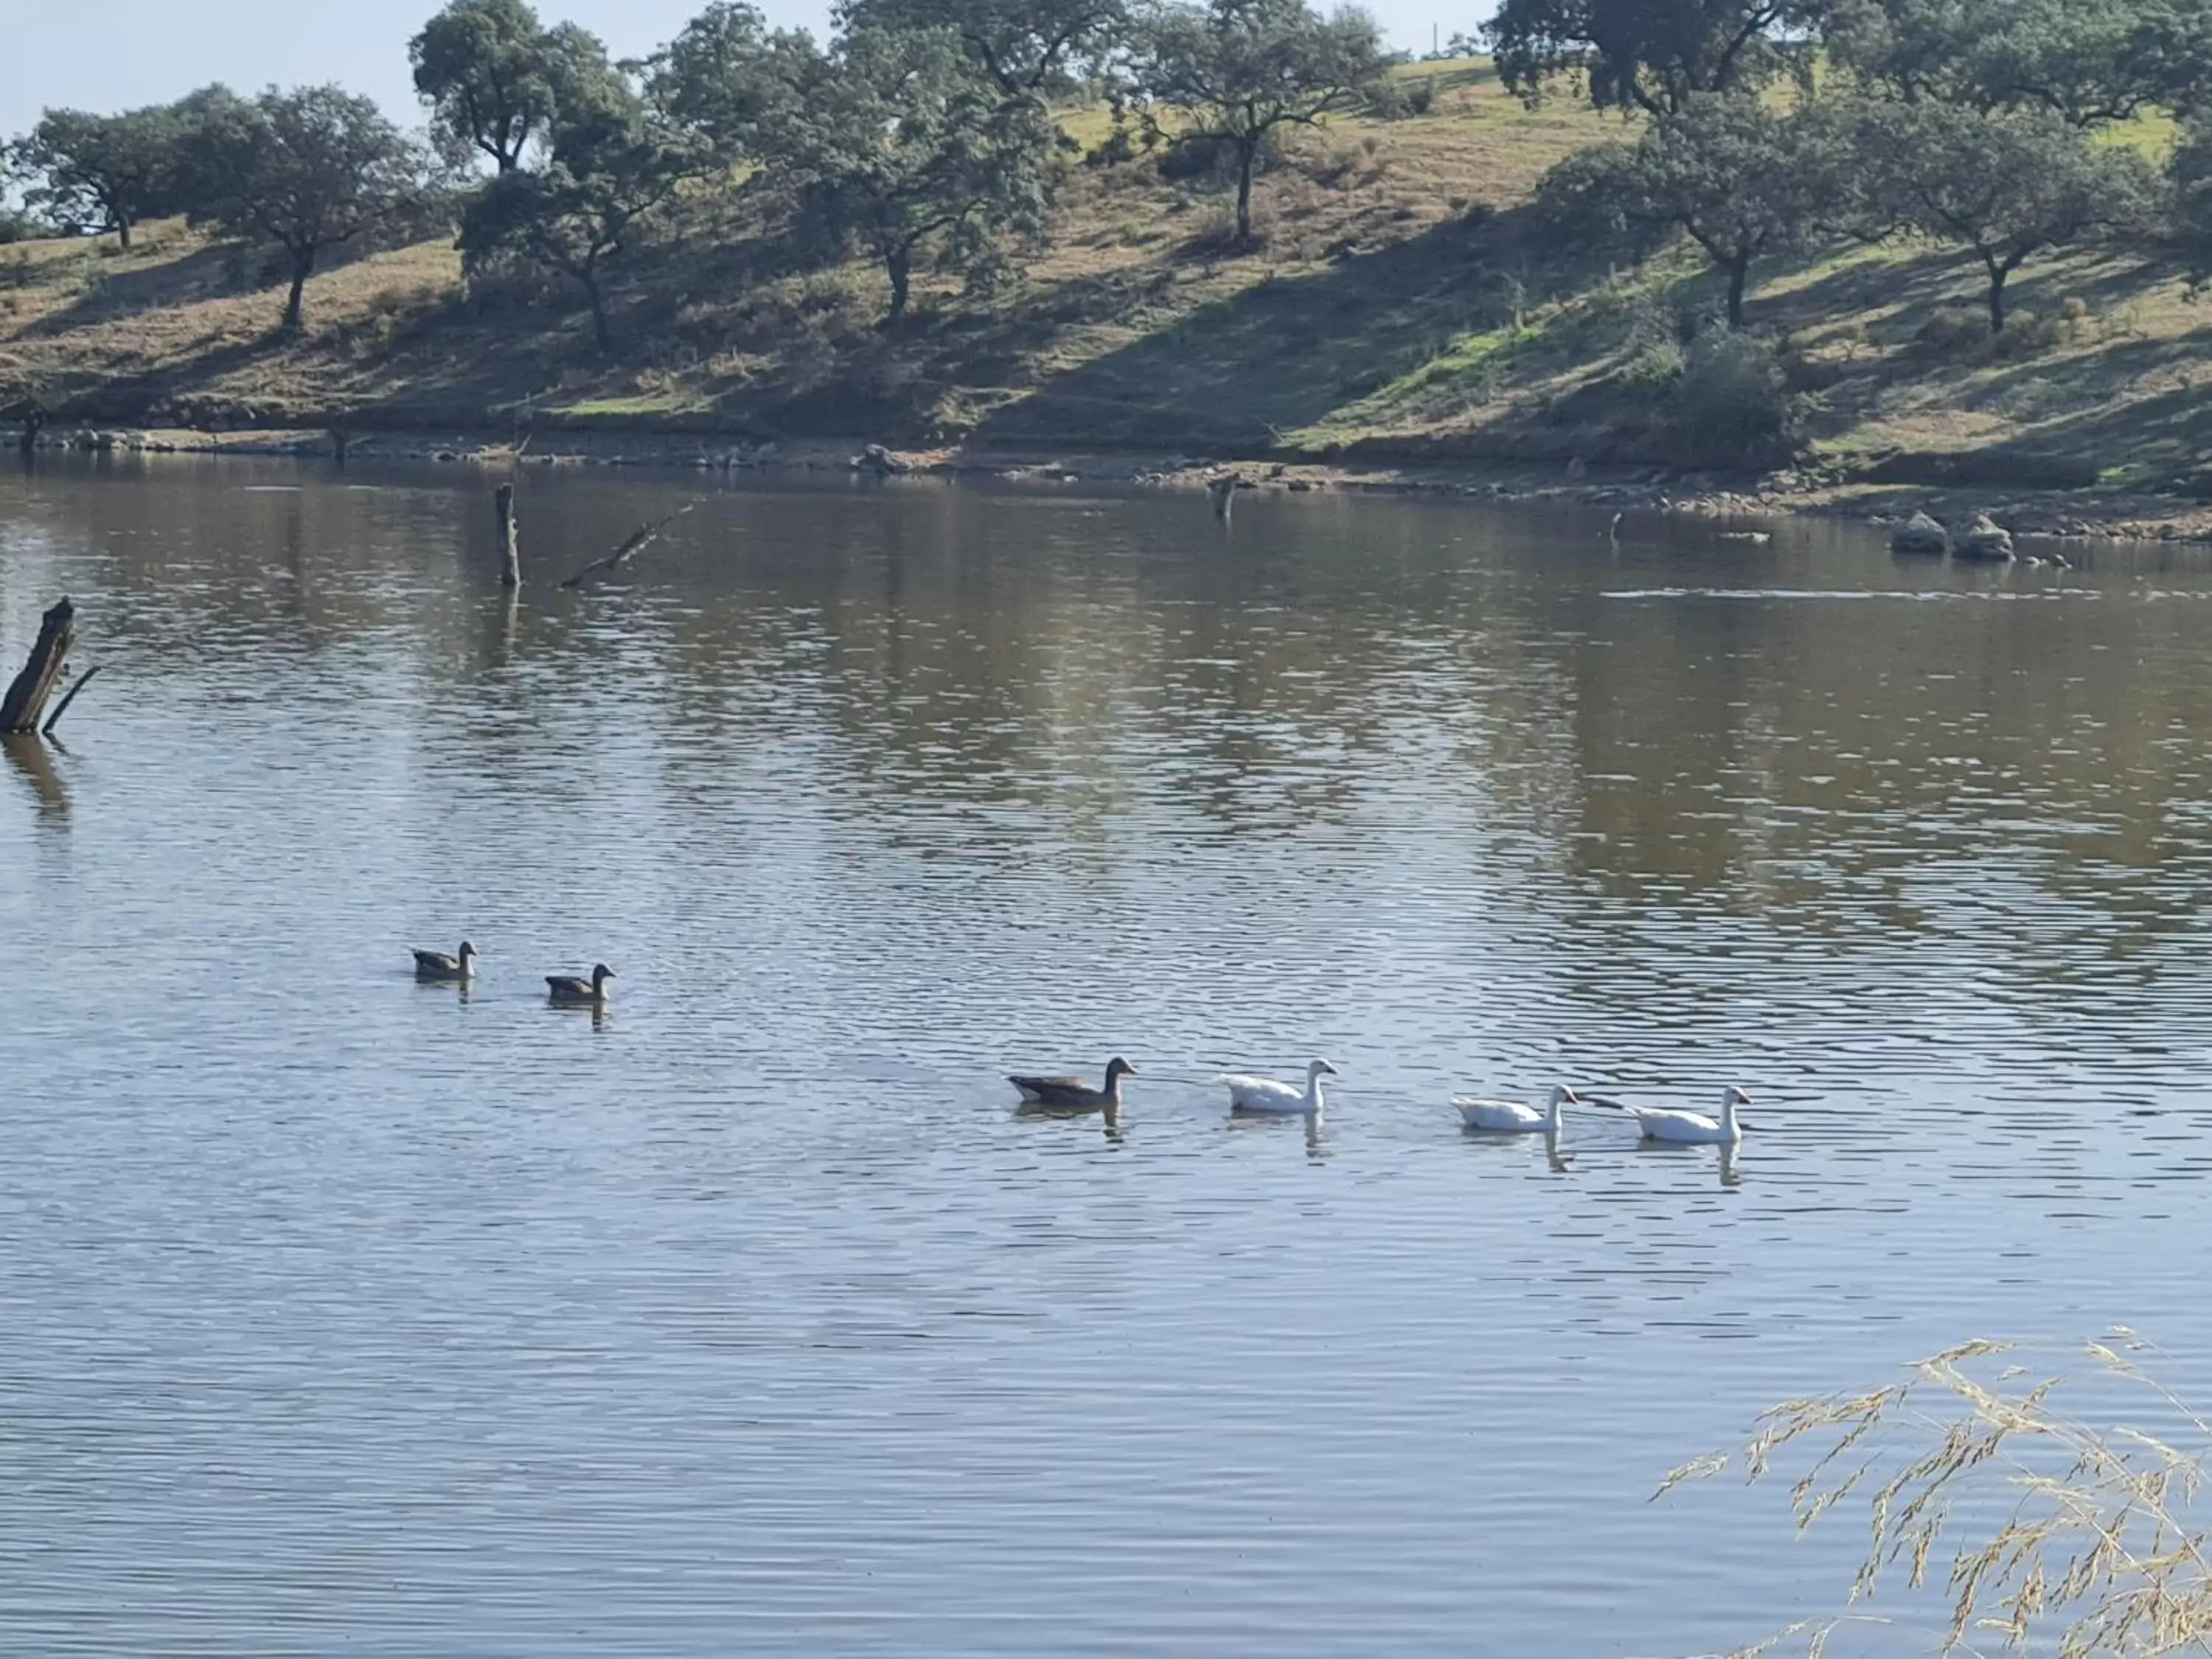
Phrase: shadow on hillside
{"type": "Point", "coordinates": [159, 393]}
{"type": "Point", "coordinates": [2165, 436]}
{"type": "Point", "coordinates": [207, 273]}
{"type": "Point", "coordinates": [1237, 374]}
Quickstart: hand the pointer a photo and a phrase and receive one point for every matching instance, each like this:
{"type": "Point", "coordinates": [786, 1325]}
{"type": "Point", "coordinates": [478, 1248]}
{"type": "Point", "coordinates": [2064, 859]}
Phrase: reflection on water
{"type": "Point", "coordinates": [34, 760]}
{"type": "Point", "coordinates": [347, 1319]}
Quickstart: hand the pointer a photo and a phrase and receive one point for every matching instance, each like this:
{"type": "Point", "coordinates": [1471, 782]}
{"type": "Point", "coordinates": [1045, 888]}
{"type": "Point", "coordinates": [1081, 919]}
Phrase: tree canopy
{"type": "Point", "coordinates": [2007, 184]}
{"type": "Point", "coordinates": [1649, 55]}
{"type": "Point", "coordinates": [1234, 71]}
{"type": "Point", "coordinates": [496, 78]}
{"type": "Point", "coordinates": [99, 172]}
{"type": "Point", "coordinates": [2091, 61]}
{"type": "Point", "coordinates": [1027, 47]}
{"type": "Point", "coordinates": [728, 80]}
{"type": "Point", "coordinates": [607, 167]}
{"type": "Point", "coordinates": [309, 169]}
{"type": "Point", "coordinates": [1740, 179]}
{"type": "Point", "coordinates": [901, 145]}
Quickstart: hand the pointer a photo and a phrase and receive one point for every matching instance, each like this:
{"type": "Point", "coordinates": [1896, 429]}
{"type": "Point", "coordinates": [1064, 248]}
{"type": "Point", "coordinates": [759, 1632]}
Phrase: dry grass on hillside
{"type": "Point", "coordinates": [1395, 303]}
{"type": "Point", "coordinates": [713, 331]}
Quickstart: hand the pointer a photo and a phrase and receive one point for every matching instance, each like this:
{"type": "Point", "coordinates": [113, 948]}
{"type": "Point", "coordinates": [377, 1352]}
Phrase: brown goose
{"type": "Point", "coordinates": [570, 993]}
{"type": "Point", "coordinates": [1073, 1090]}
{"type": "Point", "coordinates": [435, 965]}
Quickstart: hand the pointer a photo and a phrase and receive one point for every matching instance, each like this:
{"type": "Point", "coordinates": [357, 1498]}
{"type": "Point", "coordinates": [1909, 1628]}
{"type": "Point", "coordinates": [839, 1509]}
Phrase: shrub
{"type": "Point", "coordinates": [1950, 330]}
{"type": "Point", "coordinates": [1729, 406]}
{"type": "Point", "coordinates": [1193, 159]}
{"type": "Point", "coordinates": [2028, 333]}
{"type": "Point", "coordinates": [496, 282]}
{"type": "Point", "coordinates": [1654, 366]}
{"type": "Point", "coordinates": [1654, 358]}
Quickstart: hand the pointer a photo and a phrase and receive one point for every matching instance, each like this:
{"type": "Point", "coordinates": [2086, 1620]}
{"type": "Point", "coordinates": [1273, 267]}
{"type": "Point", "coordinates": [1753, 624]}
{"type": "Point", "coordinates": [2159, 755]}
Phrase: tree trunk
{"type": "Point", "coordinates": [1738, 275]}
{"type": "Point", "coordinates": [27, 697]}
{"type": "Point", "coordinates": [603, 332]}
{"type": "Point", "coordinates": [123, 231]}
{"type": "Point", "coordinates": [1248, 151]}
{"type": "Point", "coordinates": [1999, 273]}
{"type": "Point", "coordinates": [303, 266]}
{"type": "Point", "coordinates": [899, 264]}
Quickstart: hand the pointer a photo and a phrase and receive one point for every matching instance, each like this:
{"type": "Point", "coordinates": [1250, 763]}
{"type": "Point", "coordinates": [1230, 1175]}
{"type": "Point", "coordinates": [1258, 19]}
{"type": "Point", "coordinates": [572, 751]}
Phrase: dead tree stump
{"type": "Point", "coordinates": [26, 698]}
{"type": "Point", "coordinates": [510, 543]}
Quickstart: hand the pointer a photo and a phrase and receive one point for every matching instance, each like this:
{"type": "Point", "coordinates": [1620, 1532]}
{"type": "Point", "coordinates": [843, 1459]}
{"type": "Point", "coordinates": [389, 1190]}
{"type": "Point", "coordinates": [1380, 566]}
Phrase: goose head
{"type": "Point", "coordinates": [468, 951]}
{"type": "Point", "coordinates": [1734, 1097]}
{"type": "Point", "coordinates": [1116, 1069]}
{"type": "Point", "coordinates": [1315, 1074]}
{"type": "Point", "coordinates": [1563, 1096]}
{"type": "Point", "coordinates": [601, 974]}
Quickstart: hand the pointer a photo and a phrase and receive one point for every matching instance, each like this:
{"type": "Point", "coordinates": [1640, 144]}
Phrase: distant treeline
{"type": "Point", "coordinates": [923, 134]}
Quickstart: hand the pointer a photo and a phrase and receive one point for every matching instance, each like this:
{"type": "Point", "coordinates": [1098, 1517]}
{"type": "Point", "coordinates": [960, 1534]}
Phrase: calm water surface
{"type": "Point", "coordinates": [343, 1315]}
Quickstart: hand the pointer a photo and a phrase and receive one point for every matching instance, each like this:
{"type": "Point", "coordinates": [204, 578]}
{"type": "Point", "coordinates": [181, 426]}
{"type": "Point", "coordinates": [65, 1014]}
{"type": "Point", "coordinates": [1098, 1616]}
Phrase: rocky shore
{"type": "Point", "coordinates": [2075, 514]}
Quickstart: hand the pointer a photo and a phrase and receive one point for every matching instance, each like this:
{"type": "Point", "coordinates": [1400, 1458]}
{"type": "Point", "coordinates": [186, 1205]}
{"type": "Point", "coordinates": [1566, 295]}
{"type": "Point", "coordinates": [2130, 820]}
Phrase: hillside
{"type": "Point", "coordinates": [1397, 308]}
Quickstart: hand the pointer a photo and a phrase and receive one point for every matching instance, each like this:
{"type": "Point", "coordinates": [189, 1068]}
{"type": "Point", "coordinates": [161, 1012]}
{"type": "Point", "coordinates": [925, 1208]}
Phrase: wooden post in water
{"type": "Point", "coordinates": [1224, 494]}
{"type": "Point", "coordinates": [26, 698]}
{"type": "Point", "coordinates": [510, 544]}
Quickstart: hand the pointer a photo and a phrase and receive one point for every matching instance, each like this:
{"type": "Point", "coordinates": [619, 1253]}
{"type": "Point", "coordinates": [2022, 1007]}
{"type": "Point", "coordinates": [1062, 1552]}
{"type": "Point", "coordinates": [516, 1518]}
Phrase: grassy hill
{"type": "Point", "coordinates": [1397, 308]}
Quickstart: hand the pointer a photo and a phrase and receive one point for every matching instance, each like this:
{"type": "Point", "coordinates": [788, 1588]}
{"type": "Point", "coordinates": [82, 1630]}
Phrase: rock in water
{"type": "Point", "coordinates": [1986, 538]}
{"type": "Point", "coordinates": [1920, 534]}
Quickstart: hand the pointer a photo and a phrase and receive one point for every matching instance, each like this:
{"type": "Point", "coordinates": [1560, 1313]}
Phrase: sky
{"type": "Point", "coordinates": [118, 54]}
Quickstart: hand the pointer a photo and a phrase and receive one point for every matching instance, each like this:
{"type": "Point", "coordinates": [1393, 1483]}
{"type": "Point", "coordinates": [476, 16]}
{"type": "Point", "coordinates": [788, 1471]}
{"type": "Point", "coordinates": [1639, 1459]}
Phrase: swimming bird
{"type": "Point", "coordinates": [435, 965]}
{"type": "Point", "coordinates": [1510, 1117]}
{"type": "Point", "coordinates": [1264, 1094]}
{"type": "Point", "coordinates": [1664, 1123]}
{"type": "Point", "coordinates": [570, 993]}
{"type": "Point", "coordinates": [1073, 1092]}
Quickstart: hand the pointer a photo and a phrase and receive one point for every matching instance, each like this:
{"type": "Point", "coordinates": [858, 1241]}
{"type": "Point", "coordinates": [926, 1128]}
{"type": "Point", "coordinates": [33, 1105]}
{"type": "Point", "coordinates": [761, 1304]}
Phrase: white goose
{"type": "Point", "coordinates": [1264, 1094]}
{"type": "Point", "coordinates": [1510, 1117]}
{"type": "Point", "coordinates": [1664, 1123]}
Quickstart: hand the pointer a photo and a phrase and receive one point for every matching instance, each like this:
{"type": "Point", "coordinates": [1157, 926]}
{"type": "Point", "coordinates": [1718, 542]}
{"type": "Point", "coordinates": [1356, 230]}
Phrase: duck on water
{"type": "Point", "coordinates": [1072, 1093]}
{"type": "Point", "coordinates": [1265, 1094]}
{"type": "Point", "coordinates": [435, 966]}
{"type": "Point", "coordinates": [565, 991]}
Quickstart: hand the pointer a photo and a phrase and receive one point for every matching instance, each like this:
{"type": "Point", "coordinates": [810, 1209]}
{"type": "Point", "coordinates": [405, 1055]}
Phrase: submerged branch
{"type": "Point", "coordinates": [69, 698]}
{"type": "Point", "coordinates": [642, 537]}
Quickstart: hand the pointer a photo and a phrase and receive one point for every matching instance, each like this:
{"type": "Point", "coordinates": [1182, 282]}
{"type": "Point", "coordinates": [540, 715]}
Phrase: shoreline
{"type": "Point", "coordinates": [2076, 515]}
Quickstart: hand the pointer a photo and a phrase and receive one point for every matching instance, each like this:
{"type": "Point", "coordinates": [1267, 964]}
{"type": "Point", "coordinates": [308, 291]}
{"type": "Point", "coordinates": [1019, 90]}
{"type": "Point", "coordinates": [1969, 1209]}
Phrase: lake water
{"type": "Point", "coordinates": [343, 1315]}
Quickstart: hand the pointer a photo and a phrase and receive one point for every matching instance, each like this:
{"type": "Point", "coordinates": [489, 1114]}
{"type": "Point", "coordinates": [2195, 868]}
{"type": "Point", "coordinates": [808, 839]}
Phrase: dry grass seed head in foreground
{"type": "Point", "coordinates": [2088, 1537]}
